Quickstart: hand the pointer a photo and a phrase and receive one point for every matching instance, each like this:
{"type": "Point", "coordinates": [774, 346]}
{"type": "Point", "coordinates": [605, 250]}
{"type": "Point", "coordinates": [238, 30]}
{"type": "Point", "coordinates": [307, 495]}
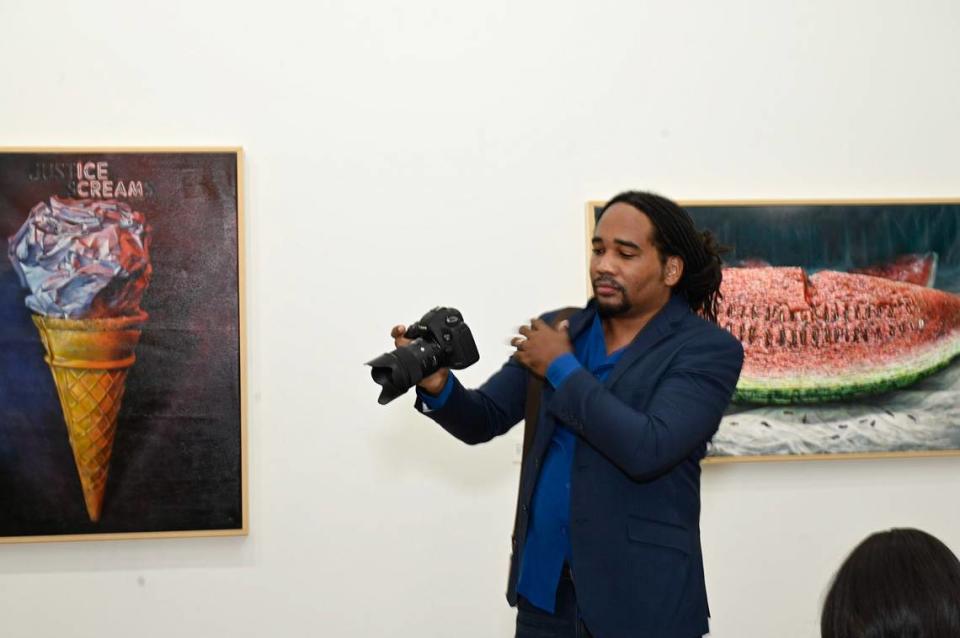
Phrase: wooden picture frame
{"type": "Point", "coordinates": [867, 236]}
{"type": "Point", "coordinates": [120, 420]}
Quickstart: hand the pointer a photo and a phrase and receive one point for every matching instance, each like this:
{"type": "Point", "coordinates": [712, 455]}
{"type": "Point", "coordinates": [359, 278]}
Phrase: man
{"type": "Point", "coordinates": [607, 539]}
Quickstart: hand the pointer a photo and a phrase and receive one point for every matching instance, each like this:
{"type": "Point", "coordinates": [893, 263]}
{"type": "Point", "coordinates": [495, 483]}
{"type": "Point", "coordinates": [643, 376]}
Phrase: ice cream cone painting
{"type": "Point", "coordinates": [120, 384]}
{"type": "Point", "coordinates": [86, 263]}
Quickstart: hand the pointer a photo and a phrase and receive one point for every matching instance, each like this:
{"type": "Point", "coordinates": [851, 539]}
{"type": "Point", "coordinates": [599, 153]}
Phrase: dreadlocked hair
{"type": "Point", "coordinates": [675, 235]}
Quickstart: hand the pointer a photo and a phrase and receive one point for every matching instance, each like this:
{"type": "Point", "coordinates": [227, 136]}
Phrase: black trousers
{"type": "Point", "coordinates": [533, 622]}
{"type": "Point", "coordinates": [565, 622]}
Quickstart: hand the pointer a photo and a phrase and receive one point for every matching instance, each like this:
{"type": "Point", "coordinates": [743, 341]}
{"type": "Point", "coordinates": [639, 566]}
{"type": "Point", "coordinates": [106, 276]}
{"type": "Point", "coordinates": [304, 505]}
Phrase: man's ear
{"type": "Point", "coordinates": [673, 270]}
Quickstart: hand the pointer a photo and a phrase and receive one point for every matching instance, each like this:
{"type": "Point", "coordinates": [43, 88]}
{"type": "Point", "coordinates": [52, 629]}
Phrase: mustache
{"type": "Point", "coordinates": [607, 281]}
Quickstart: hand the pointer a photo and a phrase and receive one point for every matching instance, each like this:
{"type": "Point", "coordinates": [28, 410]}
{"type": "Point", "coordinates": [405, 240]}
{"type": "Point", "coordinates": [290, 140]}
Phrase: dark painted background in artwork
{"type": "Point", "coordinates": [176, 458]}
{"type": "Point", "coordinates": [837, 237]}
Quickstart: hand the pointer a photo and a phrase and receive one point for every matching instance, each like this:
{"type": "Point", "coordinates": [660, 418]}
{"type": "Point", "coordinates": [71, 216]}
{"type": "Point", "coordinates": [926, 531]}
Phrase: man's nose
{"type": "Point", "coordinates": [603, 265]}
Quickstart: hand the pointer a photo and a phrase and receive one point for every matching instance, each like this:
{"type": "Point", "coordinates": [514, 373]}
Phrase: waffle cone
{"type": "Point", "coordinates": [89, 359]}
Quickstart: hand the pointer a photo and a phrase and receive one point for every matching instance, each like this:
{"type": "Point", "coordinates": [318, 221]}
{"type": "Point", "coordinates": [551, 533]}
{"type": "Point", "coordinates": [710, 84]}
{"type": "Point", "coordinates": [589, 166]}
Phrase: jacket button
{"type": "Point", "coordinates": [523, 508]}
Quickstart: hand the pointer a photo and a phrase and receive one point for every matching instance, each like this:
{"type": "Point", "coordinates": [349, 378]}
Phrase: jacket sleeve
{"type": "Point", "coordinates": [683, 413]}
{"type": "Point", "coordinates": [476, 416]}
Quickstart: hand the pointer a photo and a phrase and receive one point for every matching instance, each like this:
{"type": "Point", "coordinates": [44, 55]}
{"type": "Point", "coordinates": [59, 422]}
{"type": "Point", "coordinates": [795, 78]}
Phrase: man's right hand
{"type": "Point", "coordinates": [433, 384]}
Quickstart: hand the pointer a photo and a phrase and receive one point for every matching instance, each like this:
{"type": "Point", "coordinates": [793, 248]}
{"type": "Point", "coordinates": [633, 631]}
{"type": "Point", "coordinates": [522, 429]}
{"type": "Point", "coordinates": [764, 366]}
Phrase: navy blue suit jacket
{"type": "Point", "coordinates": [635, 484]}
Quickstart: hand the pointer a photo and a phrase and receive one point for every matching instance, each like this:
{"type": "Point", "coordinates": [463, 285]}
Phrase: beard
{"type": "Point", "coordinates": [615, 309]}
{"type": "Point", "coordinates": [611, 308]}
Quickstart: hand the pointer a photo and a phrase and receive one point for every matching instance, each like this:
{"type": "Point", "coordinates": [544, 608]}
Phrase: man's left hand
{"type": "Point", "coordinates": [540, 344]}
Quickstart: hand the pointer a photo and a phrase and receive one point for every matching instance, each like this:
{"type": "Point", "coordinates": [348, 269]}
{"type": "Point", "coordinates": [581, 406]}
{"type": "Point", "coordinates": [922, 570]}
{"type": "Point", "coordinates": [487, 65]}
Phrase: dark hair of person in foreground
{"type": "Point", "coordinates": [901, 583]}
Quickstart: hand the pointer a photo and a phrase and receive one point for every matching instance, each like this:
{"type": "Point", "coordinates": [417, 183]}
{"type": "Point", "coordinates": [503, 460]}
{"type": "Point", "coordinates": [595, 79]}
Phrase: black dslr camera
{"type": "Point", "coordinates": [440, 340]}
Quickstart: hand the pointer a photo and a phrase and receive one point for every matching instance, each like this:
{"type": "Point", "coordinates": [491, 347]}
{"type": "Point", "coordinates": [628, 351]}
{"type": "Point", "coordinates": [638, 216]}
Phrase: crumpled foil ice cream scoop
{"type": "Point", "coordinates": [83, 259]}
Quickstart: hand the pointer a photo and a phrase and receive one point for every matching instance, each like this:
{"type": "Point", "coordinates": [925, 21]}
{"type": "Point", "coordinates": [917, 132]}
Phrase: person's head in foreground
{"type": "Point", "coordinates": [901, 583]}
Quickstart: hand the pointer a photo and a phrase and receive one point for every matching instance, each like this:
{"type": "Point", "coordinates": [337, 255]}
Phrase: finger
{"type": "Point", "coordinates": [525, 331]}
{"type": "Point", "coordinates": [398, 331]}
{"type": "Point", "coordinates": [537, 323]}
{"type": "Point", "coordinates": [517, 342]}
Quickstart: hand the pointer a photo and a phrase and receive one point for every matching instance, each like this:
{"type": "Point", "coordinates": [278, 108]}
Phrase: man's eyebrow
{"type": "Point", "coordinates": [621, 242]}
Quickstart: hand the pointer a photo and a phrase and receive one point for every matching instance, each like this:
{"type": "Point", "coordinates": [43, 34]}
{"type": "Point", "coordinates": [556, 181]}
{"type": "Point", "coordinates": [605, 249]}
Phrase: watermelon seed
{"type": "Point", "coordinates": [912, 418]}
{"type": "Point", "coordinates": [804, 419]}
{"type": "Point", "coordinates": [765, 424]}
{"type": "Point", "coordinates": [788, 411]}
{"type": "Point", "coordinates": [889, 412]}
{"type": "Point", "coordinates": [842, 426]}
{"type": "Point", "coordinates": [873, 424]}
{"type": "Point", "coordinates": [835, 436]}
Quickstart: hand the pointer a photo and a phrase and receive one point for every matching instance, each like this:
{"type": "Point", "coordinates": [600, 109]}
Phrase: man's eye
{"type": "Point", "coordinates": [598, 251]}
{"type": "Point", "coordinates": [627, 255]}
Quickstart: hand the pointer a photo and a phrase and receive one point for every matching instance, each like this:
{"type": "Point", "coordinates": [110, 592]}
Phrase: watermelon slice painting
{"type": "Point", "coordinates": [834, 336]}
{"type": "Point", "coordinates": [849, 316]}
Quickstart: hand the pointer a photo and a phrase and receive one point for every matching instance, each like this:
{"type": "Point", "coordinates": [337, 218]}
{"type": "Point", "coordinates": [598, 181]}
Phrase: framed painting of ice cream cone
{"type": "Point", "coordinates": [849, 316]}
{"type": "Point", "coordinates": [121, 343]}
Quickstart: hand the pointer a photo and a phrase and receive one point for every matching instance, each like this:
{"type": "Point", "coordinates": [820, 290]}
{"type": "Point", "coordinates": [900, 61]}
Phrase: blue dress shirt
{"type": "Point", "coordinates": [547, 545]}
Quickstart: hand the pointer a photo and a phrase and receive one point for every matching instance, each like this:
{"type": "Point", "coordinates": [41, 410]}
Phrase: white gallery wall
{"type": "Point", "coordinates": [405, 154]}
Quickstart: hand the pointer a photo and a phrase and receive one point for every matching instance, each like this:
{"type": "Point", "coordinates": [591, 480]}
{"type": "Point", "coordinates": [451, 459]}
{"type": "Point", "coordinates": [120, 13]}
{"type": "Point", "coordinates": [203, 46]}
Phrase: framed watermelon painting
{"type": "Point", "coordinates": [849, 314]}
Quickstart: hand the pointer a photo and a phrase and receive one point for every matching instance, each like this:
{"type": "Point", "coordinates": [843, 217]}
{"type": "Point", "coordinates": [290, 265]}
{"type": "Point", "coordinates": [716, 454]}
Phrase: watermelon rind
{"type": "Point", "coordinates": [869, 380]}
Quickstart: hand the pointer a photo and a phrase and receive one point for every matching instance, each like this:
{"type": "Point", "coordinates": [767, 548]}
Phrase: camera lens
{"type": "Point", "coordinates": [403, 368]}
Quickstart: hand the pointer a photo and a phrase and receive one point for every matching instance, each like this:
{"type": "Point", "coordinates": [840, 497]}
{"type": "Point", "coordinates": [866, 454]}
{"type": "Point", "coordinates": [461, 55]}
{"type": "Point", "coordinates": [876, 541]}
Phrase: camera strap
{"type": "Point", "coordinates": [534, 389]}
{"type": "Point", "coordinates": [531, 416]}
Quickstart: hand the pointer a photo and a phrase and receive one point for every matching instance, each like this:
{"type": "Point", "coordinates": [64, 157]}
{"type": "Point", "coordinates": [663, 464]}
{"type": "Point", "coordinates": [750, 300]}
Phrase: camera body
{"type": "Point", "coordinates": [441, 339]}
{"type": "Point", "coordinates": [446, 340]}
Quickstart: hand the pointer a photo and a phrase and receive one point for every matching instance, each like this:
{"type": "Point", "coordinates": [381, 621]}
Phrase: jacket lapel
{"type": "Point", "coordinates": [660, 327]}
{"type": "Point", "coordinates": [580, 321]}
{"type": "Point", "coordinates": [577, 324]}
